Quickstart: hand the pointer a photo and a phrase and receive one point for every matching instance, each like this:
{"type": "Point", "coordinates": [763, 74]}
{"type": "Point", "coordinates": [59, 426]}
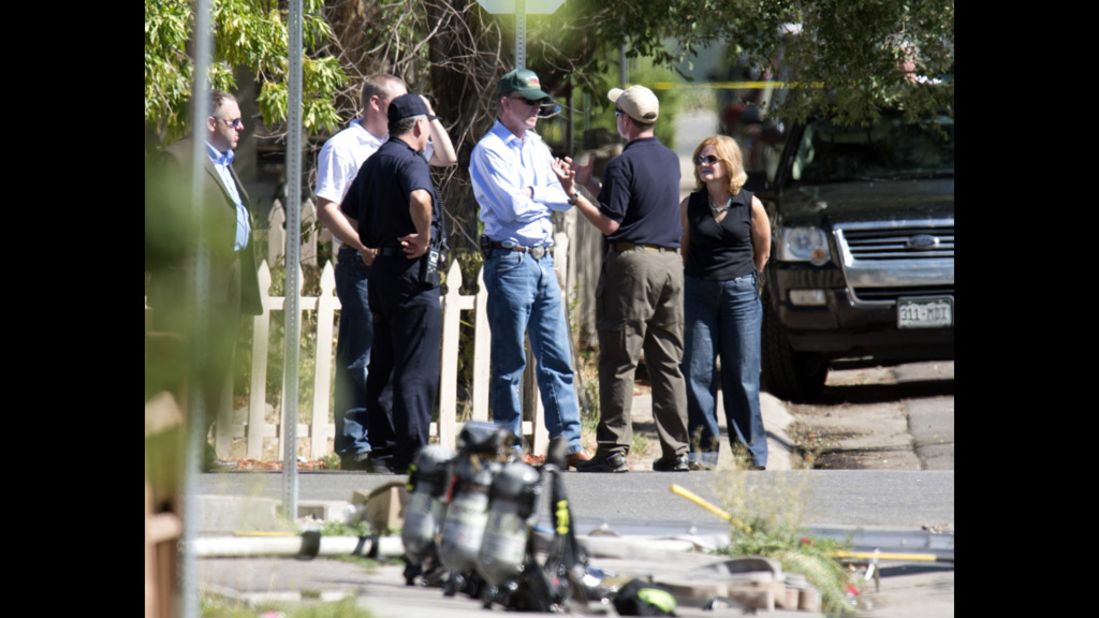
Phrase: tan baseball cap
{"type": "Point", "coordinates": [637, 101]}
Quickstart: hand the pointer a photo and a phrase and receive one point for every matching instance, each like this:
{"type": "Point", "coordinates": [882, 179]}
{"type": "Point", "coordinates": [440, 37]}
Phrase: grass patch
{"type": "Point", "coordinates": [811, 443]}
{"type": "Point", "coordinates": [768, 522]}
{"type": "Point", "coordinates": [339, 528]}
{"type": "Point", "coordinates": [216, 607]}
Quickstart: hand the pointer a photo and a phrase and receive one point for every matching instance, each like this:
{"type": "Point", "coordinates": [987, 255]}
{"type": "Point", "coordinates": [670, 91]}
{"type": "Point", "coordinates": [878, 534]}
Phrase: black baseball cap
{"type": "Point", "coordinates": [406, 106]}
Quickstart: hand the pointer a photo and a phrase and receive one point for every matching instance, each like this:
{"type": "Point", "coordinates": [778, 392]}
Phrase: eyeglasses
{"type": "Point", "coordinates": [702, 160]}
{"type": "Point", "coordinates": [530, 102]}
{"type": "Point", "coordinates": [235, 123]}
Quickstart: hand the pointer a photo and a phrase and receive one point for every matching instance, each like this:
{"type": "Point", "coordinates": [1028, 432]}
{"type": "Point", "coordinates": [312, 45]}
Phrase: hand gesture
{"type": "Point", "coordinates": [564, 172]}
{"type": "Point", "coordinates": [414, 245]}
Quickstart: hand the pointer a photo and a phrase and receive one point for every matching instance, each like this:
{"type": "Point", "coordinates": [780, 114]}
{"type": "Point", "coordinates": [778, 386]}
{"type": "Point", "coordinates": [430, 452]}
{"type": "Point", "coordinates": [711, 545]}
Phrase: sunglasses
{"type": "Point", "coordinates": [618, 112]}
{"type": "Point", "coordinates": [703, 160]}
{"type": "Point", "coordinates": [236, 123]}
{"type": "Point", "coordinates": [530, 102]}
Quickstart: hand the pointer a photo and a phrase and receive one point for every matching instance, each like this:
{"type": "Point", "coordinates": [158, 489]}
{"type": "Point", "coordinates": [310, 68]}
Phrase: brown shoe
{"type": "Point", "coordinates": [577, 458]}
{"type": "Point", "coordinates": [534, 460]}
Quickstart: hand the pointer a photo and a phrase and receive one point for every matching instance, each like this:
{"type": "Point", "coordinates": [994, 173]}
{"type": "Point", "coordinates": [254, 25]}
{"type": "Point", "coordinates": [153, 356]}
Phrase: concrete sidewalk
{"type": "Point", "coordinates": [781, 455]}
{"type": "Point", "coordinates": [382, 590]}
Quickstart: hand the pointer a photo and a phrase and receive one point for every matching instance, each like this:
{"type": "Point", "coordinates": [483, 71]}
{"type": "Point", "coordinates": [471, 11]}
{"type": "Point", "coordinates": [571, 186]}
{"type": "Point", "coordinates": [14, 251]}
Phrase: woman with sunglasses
{"type": "Point", "coordinates": [725, 245]}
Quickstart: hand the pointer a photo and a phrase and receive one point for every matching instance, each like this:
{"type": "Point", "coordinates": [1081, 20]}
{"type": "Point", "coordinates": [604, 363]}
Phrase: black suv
{"type": "Point", "coordinates": [862, 262]}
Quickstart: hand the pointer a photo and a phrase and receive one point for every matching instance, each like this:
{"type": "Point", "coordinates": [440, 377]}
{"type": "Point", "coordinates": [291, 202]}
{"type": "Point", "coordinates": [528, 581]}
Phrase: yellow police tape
{"type": "Point", "coordinates": [748, 85]}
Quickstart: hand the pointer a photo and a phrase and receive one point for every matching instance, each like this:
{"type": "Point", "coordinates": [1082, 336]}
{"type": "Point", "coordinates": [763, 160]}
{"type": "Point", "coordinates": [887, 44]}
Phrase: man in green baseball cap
{"type": "Point", "coordinates": [526, 83]}
{"type": "Point", "coordinates": [512, 172]}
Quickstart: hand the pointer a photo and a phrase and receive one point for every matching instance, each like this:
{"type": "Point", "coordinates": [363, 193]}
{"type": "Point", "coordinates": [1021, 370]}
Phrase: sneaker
{"type": "Point", "coordinates": [615, 462]}
{"type": "Point", "coordinates": [673, 464]}
{"type": "Point", "coordinates": [699, 465]}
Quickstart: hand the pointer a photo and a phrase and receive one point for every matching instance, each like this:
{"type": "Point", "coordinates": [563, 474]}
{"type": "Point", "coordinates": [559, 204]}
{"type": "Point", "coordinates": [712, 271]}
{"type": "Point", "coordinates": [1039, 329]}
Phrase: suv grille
{"type": "Point", "coordinates": [899, 243]}
{"type": "Point", "coordinates": [892, 294]}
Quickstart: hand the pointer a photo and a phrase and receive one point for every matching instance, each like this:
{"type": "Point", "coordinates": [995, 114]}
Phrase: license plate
{"type": "Point", "coordinates": [925, 312]}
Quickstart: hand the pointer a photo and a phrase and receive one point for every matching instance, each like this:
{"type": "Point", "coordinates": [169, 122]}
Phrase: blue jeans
{"type": "Point", "coordinates": [723, 317]}
{"type": "Point", "coordinates": [356, 334]}
{"type": "Point", "coordinates": [523, 292]}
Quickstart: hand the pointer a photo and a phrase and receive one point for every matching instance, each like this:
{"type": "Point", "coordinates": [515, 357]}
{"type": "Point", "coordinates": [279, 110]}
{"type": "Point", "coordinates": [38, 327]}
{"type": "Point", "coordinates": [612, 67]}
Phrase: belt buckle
{"type": "Point", "coordinates": [537, 252]}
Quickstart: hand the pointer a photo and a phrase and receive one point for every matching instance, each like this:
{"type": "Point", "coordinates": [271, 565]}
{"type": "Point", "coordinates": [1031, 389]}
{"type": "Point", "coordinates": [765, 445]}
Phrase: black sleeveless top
{"type": "Point", "coordinates": [720, 251]}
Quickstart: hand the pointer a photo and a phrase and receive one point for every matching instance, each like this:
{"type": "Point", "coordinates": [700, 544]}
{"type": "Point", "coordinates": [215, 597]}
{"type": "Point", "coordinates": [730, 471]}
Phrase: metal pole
{"type": "Point", "coordinates": [569, 139]}
{"type": "Point", "coordinates": [623, 67]}
{"type": "Point", "coordinates": [520, 34]}
{"type": "Point", "coordinates": [587, 114]}
{"type": "Point", "coordinates": [293, 260]}
{"type": "Point", "coordinates": [200, 264]}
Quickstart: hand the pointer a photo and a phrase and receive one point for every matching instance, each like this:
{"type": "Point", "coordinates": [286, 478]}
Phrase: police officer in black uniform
{"type": "Point", "coordinates": [396, 209]}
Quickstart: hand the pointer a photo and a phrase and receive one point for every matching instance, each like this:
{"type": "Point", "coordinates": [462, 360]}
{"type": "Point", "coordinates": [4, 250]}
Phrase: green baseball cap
{"type": "Point", "coordinates": [523, 81]}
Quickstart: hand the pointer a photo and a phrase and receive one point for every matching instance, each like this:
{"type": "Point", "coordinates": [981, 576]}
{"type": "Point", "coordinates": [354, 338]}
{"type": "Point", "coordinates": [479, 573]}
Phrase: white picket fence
{"type": "Point", "coordinates": [276, 233]}
{"type": "Point", "coordinates": [314, 423]}
{"type": "Point", "coordinates": [585, 256]}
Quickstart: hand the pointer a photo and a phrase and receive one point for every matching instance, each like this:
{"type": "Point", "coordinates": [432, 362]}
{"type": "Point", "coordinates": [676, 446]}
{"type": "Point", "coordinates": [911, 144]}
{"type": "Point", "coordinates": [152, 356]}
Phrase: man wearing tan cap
{"type": "Point", "coordinates": [641, 300]}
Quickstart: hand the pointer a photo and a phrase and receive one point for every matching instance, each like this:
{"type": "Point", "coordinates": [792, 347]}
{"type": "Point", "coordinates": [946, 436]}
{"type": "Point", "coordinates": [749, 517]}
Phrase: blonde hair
{"type": "Point", "coordinates": [379, 84]}
{"type": "Point", "coordinates": [729, 152]}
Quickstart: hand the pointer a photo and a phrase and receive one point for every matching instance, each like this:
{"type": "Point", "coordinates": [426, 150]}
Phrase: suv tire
{"type": "Point", "coordinates": [788, 374]}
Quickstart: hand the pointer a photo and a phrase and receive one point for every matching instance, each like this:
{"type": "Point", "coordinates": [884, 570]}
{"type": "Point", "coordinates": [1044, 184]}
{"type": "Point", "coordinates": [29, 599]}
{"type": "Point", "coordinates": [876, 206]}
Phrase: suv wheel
{"type": "Point", "coordinates": [788, 374]}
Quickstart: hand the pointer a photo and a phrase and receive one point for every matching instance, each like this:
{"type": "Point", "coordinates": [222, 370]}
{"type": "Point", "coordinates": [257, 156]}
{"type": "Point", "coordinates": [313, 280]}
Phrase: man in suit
{"type": "Point", "coordinates": [171, 226]}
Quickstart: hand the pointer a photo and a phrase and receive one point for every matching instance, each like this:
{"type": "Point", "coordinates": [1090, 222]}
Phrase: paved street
{"type": "Point", "coordinates": [898, 499]}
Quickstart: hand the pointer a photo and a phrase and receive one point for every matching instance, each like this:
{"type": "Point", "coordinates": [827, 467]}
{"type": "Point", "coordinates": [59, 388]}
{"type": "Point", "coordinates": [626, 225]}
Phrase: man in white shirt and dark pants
{"type": "Point", "coordinates": [359, 433]}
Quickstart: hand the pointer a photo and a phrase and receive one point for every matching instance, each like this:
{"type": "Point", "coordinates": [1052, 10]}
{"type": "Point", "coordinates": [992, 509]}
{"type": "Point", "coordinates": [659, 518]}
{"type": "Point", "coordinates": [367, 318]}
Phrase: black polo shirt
{"type": "Point", "coordinates": [641, 192]}
{"type": "Point", "coordinates": [379, 196]}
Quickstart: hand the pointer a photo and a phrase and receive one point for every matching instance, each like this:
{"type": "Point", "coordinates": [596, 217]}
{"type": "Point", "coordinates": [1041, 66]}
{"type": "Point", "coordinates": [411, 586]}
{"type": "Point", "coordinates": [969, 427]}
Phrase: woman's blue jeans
{"type": "Point", "coordinates": [723, 318]}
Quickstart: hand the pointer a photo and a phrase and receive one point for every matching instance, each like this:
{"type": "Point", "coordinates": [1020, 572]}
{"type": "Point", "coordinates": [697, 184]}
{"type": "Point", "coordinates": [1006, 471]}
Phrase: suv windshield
{"type": "Point", "coordinates": [890, 149]}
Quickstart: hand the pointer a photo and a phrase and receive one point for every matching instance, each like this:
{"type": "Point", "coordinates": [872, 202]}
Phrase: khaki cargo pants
{"type": "Point", "coordinates": [639, 306]}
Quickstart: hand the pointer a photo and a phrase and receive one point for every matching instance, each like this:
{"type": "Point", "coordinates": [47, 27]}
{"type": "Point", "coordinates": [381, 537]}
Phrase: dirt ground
{"type": "Point", "coordinates": [873, 418]}
{"type": "Point", "coordinates": [863, 419]}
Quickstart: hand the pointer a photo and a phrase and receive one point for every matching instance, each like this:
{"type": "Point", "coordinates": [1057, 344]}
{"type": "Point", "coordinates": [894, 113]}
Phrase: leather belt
{"type": "Point", "coordinates": [624, 245]}
{"type": "Point", "coordinates": [386, 251]}
{"type": "Point", "coordinates": [535, 252]}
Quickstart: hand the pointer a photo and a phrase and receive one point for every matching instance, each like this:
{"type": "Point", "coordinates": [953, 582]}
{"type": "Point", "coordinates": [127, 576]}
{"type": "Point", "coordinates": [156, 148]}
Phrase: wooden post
{"type": "Point", "coordinates": [326, 310]}
{"type": "Point", "coordinates": [448, 386]}
{"type": "Point", "coordinates": [261, 326]}
{"type": "Point", "coordinates": [309, 233]}
{"type": "Point", "coordinates": [223, 428]}
{"type": "Point", "coordinates": [482, 351]}
{"type": "Point", "coordinates": [276, 233]}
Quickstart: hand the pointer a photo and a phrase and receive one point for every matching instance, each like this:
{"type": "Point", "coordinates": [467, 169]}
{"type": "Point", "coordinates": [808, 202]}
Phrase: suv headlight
{"type": "Point", "coordinates": [803, 244]}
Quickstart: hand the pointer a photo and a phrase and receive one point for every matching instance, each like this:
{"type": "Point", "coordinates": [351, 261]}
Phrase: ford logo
{"type": "Point", "coordinates": [922, 242]}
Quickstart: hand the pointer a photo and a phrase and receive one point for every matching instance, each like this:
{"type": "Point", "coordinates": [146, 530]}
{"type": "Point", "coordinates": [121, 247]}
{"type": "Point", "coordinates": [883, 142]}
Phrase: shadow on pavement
{"type": "Point", "coordinates": [882, 393]}
{"type": "Point", "coordinates": [914, 569]}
